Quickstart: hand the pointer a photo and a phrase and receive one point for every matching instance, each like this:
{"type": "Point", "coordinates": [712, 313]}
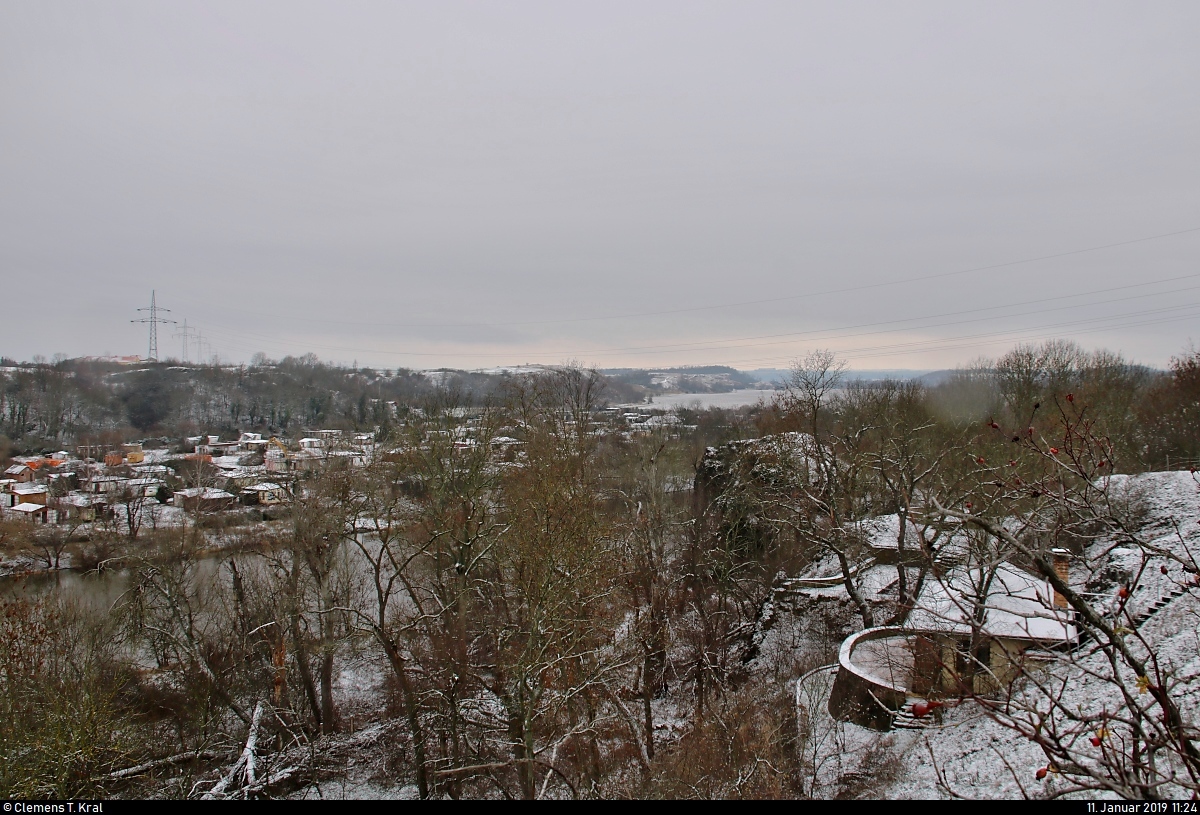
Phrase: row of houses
{"type": "Point", "coordinates": [214, 475]}
{"type": "Point", "coordinates": [62, 487]}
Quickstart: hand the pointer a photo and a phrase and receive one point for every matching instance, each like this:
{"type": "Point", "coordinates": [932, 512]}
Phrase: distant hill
{"type": "Point", "coordinates": [692, 379]}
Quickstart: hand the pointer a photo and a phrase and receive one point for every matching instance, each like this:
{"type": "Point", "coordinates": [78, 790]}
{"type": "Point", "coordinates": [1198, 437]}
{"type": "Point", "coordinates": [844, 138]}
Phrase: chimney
{"type": "Point", "coordinates": [1062, 568]}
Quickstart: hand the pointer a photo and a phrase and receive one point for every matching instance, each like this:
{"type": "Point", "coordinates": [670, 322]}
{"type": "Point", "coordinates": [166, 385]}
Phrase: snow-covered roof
{"type": "Point", "coordinates": [1016, 604]}
{"type": "Point", "coordinates": [29, 508]}
{"type": "Point", "coordinates": [265, 487]}
{"type": "Point", "coordinates": [209, 493]}
{"type": "Point", "coordinates": [882, 534]}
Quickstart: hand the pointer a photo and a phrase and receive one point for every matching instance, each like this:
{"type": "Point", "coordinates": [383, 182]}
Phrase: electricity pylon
{"type": "Point", "coordinates": [153, 320]}
{"type": "Point", "coordinates": [187, 334]}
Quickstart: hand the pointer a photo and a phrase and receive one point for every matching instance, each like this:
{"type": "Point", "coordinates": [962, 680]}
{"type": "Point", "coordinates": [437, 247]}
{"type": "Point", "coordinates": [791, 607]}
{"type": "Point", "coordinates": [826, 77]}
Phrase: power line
{"type": "Point", "coordinates": [717, 345]}
{"type": "Point", "coordinates": [980, 340]}
{"type": "Point", "coordinates": [761, 301]}
{"type": "Point", "coordinates": [819, 335]}
{"type": "Point", "coordinates": [1118, 321]}
{"type": "Point", "coordinates": [185, 334]}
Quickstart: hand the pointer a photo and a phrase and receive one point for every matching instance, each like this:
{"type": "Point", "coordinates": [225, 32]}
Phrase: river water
{"type": "Point", "coordinates": [732, 399]}
{"type": "Point", "coordinates": [101, 590]}
{"type": "Point", "coordinates": [98, 590]}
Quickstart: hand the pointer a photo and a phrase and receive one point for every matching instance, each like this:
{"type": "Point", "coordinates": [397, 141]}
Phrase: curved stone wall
{"type": "Point", "coordinates": [870, 690]}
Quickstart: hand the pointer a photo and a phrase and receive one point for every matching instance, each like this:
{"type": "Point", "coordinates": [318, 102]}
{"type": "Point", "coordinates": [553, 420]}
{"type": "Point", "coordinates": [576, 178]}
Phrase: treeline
{"type": "Point", "coordinates": [1149, 415]}
{"type": "Point", "coordinates": [45, 406]}
{"type": "Point", "coordinates": [50, 404]}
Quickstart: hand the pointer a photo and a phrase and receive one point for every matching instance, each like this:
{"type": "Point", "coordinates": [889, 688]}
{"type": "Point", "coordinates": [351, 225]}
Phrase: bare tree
{"type": "Point", "coordinates": [907, 454]}
{"type": "Point", "coordinates": [133, 503]}
{"type": "Point", "coordinates": [833, 491]}
{"type": "Point", "coordinates": [654, 538]}
{"type": "Point", "coordinates": [316, 579]}
{"type": "Point", "coordinates": [49, 542]}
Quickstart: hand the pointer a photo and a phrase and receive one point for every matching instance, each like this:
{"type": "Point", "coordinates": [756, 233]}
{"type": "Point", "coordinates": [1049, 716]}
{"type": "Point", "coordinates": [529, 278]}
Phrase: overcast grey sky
{"type": "Point", "coordinates": [644, 183]}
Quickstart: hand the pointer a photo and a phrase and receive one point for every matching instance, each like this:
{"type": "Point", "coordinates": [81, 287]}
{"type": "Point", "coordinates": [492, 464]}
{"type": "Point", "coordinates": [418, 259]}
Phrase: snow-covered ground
{"type": "Point", "coordinates": [973, 756]}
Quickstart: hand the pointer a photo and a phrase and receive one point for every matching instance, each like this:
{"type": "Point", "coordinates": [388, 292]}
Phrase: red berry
{"type": "Point", "coordinates": [1070, 397]}
{"type": "Point", "coordinates": [1030, 431]}
{"type": "Point", "coordinates": [1123, 593]}
{"type": "Point", "coordinates": [1054, 451]}
{"type": "Point", "coordinates": [1041, 773]}
{"type": "Point", "coordinates": [1095, 740]}
{"type": "Point", "coordinates": [1163, 569]}
{"type": "Point", "coordinates": [968, 504]}
{"type": "Point", "coordinates": [981, 460]}
{"type": "Point", "coordinates": [1101, 464]}
{"type": "Point", "coordinates": [995, 426]}
{"type": "Point", "coordinates": [1012, 463]}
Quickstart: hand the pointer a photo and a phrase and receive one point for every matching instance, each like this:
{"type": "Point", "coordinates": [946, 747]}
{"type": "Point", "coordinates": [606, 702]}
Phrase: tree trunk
{"type": "Point", "coordinates": [525, 770]}
{"type": "Point", "coordinates": [411, 713]}
{"type": "Point", "coordinates": [328, 719]}
{"type": "Point", "coordinates": [864, 608]}
{"type": "Point", "coordinates": [522, 741]}
{"type": "Point", "coordinates": [298, 644]}
{"type": "Point", "coordinates": [310, 689]}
